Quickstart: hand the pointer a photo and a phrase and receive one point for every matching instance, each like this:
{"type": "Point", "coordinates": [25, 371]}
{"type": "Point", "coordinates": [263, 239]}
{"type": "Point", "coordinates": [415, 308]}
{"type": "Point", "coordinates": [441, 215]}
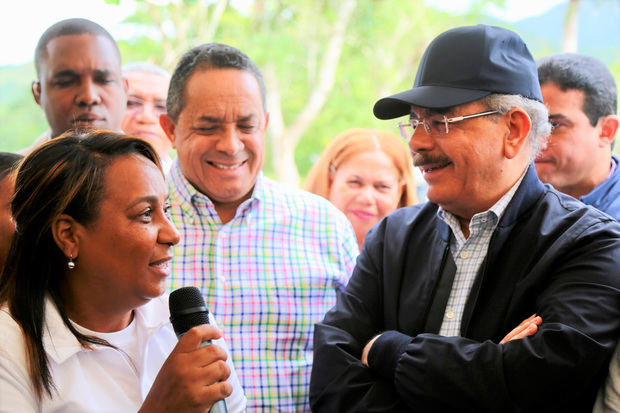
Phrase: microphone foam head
{"type": "Point", "coordinates": [187, 309]}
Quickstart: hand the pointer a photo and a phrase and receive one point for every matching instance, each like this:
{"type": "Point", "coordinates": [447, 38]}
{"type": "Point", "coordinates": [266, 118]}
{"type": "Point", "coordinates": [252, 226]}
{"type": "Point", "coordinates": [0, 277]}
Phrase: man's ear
{"type": "Point", "coordinates": [167, 124]}
{"type": "Point", "coordinates": [609, 127]}
{"type": "Point", "coordinates": [266, 120]}
{"type": "Point", "coordinates": [36, 91]}
{"type": "Point", "coordinates": [65, 232]}
{"type": "Point", "coordinates": [125, 86]}
{"type": "Point", "coordinates": [519, 125]}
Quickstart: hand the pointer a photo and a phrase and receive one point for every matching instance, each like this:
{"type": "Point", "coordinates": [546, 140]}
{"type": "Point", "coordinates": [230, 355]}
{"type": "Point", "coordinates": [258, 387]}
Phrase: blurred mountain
{"type": "Point", "coordinates": [598, 30]}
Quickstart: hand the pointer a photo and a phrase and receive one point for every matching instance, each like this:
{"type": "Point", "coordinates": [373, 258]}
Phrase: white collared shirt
{"type": "Point", "coordinates": [99, 380]}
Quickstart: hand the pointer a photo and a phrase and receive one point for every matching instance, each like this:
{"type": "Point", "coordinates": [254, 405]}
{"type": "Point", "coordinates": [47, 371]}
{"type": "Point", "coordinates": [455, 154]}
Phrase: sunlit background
{"type": "Point", "coordinates": [325, 61]}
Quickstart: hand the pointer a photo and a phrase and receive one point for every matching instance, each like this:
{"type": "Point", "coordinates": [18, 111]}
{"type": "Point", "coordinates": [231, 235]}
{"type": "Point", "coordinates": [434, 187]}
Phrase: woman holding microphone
{"type": "Point", "coordinates": [83, 319]}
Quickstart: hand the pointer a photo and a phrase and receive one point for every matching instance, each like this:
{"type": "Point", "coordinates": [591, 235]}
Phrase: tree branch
{"type": "Point", "coordinates": [569, 44]}
{"type": "Point", "coordinates": [327, 73]}
{"type": "Point", "coordinates": [214, 22]}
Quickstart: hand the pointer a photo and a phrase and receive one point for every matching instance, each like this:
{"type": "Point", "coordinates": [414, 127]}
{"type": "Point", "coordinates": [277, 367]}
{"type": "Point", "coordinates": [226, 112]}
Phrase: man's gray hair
{"type": "Point", "coordinates": [538, 113]}
{"type": "Point", "coordinates": [145, 67]}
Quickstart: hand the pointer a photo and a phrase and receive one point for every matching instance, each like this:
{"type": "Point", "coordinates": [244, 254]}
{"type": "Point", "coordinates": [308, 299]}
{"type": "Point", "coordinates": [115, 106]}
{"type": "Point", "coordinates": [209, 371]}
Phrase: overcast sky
{"type": "Point", "coordinates": [23, 22]}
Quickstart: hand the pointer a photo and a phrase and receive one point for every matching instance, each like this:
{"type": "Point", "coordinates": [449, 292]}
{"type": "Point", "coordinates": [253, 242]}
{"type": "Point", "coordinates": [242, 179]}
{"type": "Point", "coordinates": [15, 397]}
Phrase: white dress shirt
{"type": "Point", "coordinates": [99, 380]}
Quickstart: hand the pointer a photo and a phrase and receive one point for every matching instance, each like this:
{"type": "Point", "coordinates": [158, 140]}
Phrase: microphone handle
{"type": "Point", "coordinates": [220, 405]}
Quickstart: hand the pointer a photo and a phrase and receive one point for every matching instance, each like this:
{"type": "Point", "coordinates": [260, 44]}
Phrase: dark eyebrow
{"type": "Point", "coordinates": [103, 72]}
{"type": "Point", "coordinates": [559, 116]}
{"type": "Point", "coordinates": [431, 112]}
{"type": "Point", "coordinates": [424, 114]}
{"type": "Point", "coordinates": [66, 72]}
{"type": "Point", "coordinates": [245, 118]}
{"type": "Point", "coordinates": [210, 119]}
{"type": "Point", "coordinates": [149, 198]}
{"type": "Point", "coordinates": [219, 120]}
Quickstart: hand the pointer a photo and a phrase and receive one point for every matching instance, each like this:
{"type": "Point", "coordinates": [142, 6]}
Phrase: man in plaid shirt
{"type": "Point", "coordinates": [269, 259]}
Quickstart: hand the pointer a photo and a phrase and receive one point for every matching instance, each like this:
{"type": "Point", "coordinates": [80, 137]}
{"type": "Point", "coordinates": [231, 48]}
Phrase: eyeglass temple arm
{"type": "Point", "coordinates": [475, 115]}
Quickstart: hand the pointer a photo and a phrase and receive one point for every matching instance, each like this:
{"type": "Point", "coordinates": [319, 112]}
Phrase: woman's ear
{"type": "Point", "coordinates": [64, 231]}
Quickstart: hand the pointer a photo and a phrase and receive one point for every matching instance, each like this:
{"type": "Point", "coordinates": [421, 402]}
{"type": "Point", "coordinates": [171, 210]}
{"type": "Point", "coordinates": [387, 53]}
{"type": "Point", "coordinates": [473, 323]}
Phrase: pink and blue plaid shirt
{"type": "Point", "coordinates": [268, 275]}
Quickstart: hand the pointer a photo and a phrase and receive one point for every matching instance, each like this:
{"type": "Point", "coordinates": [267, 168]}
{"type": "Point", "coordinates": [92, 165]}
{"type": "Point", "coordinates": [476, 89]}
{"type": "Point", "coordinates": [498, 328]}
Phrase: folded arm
{"type": "Point", "coordinates": [580, 303]}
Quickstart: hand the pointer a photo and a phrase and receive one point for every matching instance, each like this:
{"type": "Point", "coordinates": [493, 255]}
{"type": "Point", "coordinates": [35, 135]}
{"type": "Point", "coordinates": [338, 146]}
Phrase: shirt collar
{"type": "Point", "coordinates": [496, 211]}
{"type": "Point", "coordinates": [613, 167]}
{"type": "Point", "coordinates": [60, 343]}
{"type": "Point", "coordinates": [600, 193]}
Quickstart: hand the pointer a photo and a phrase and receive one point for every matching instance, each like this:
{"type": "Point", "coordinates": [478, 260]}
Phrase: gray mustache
{"type": "Point", "coordinates": [425, 159]}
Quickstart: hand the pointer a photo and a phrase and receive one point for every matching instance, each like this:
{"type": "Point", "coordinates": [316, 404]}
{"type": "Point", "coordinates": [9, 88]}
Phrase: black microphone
{"type": "Point", "coordinates": [187, 310]}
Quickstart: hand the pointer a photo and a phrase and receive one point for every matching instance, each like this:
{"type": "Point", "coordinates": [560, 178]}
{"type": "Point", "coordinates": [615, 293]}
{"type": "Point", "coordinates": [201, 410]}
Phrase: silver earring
{"type": "Point", "coordinates": [71, 264]}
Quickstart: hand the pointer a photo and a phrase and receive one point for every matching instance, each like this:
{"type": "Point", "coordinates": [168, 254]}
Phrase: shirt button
{"type": "Point", "coordinates": [450, 315]}
{"type": "Point", "coordinates": [464, 255]}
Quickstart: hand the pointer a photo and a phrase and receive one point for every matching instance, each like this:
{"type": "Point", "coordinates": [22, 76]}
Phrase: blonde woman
{"type": "Point", "coordinates": [366, 174]}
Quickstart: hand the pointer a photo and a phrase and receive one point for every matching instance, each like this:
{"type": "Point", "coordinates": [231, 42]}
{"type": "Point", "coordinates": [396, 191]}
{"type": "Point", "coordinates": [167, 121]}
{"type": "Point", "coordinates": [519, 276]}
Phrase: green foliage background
{"type": "Point", "coordinates": [21, 120]}
{"type": "Point", "coordinates": [384, 41]}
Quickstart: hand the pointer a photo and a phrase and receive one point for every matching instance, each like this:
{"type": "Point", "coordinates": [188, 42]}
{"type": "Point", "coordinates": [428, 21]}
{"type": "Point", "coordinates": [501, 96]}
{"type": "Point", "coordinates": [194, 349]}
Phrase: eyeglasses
{"type": "Point", "coordinates": [435, 125]}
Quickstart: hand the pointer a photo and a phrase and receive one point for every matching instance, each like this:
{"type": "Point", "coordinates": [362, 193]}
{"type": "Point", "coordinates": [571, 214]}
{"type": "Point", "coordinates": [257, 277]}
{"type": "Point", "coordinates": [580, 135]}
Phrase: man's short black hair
{"type": "Point", "coordinates": [585, 73]}
{"type": "Point", "coordinates": [69, 27]}
{"type": "Point", "coordinates": [208, 56]}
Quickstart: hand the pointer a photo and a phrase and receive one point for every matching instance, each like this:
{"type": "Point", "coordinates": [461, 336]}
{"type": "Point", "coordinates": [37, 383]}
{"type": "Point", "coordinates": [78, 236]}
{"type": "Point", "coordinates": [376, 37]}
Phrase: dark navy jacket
{"type": "Point", "coordinates": [606, 195]}
{"type": "Point", "coordinates": [549, 255]}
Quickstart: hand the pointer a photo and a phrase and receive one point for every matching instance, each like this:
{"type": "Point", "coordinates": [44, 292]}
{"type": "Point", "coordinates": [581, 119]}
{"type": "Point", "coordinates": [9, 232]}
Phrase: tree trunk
{"type": "Point", "coordinates": [285, 138]}
{"type": "Point", "coordinates": [571, 31]}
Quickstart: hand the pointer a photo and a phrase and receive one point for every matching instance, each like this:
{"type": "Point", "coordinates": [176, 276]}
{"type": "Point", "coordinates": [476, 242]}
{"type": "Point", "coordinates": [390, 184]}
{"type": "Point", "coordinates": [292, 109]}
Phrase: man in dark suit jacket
{"type": "Point", "coordinates": [438, 285]}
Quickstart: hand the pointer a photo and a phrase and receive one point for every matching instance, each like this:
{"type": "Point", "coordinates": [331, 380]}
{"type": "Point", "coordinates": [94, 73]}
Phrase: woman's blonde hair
{"type": "Point", "coordinates": [352, 142]}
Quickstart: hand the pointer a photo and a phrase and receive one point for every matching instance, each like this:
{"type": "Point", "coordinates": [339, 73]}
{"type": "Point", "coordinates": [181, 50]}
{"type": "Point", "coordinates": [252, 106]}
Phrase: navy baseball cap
{"type": "Point", "coordinates": [465, 64]}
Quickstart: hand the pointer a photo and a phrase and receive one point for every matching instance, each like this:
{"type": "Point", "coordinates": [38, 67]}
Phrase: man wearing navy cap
{"type": "Point", "coordinates": [437, 285]}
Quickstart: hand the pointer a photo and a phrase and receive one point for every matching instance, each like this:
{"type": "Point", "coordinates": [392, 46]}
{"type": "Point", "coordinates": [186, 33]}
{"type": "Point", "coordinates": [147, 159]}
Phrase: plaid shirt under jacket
{"type": "Point", "coordinates": [268, 275]}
